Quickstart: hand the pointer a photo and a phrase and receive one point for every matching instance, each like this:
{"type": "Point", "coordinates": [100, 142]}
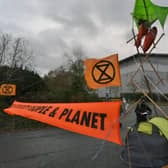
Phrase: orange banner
{"type": "Point", "coordinates": [8, 90]}
{"type": "Point", "coordinates": [103, 72]}
{"type": "Point", "coordinates": [98, 119]}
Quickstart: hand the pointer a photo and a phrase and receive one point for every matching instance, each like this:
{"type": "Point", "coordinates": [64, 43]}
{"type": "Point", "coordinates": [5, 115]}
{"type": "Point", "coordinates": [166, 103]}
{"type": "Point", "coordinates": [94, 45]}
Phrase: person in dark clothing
{"type": "Point", "coordinates": [142, 111]}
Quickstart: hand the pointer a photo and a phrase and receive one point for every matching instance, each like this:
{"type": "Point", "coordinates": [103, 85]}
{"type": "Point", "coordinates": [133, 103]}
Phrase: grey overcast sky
{"type": "Point", "coordinates": [56, 28]}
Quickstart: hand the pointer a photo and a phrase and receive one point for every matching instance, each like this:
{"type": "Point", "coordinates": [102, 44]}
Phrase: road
{"type": "Point", "coordinates": [56, 148]}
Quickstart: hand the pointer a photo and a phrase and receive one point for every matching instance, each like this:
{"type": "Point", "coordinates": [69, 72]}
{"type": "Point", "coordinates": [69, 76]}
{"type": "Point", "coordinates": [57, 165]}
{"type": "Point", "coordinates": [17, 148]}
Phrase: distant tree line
{"type": "Point", "coordinates": [63, 84]}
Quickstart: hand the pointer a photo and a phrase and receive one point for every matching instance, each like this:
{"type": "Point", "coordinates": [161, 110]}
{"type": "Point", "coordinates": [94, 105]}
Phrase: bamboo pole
{"type": "Point", "coordinates": [152, 101]}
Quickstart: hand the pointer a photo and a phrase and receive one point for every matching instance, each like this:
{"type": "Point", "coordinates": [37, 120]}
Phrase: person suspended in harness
{"type": "Point", "coordinates": [142, 111]}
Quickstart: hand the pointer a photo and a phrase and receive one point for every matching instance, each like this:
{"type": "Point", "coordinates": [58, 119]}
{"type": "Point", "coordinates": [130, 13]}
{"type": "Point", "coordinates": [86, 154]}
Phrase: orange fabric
{"type": "Point", "coordinates": [102, 72]}
{"type": "Point", "coordinates": [99, 119]}
{"type": "Point", "coordinates": [143, 30]}
{"type": "Point", "coordinates": [149, 39]}
{"type": "Point", "coordinates": [8, 90]}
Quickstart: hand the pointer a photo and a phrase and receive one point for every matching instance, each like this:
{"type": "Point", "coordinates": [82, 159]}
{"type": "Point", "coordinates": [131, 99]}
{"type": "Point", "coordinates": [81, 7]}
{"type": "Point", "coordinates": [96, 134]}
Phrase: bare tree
{"type": "Point", "coordinates": [21, 54]}
{"type": "Point", "coordinates": [15, 52]}
{"type": "Point", "coordinates": [5, 40]}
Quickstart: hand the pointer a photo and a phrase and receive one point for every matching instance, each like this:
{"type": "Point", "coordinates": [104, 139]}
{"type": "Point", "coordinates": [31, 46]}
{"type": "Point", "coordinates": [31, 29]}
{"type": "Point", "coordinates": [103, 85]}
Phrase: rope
{"type": "Point", "coordinates": [145, 94]}
{"type": "Point", "coordinates": [104, 141]}
{"type": "Point", "coordinates": [155, 105]}
{"type": "Point", "coordinates": [160, 91]}
{"type": "Point", "coordinates": [146, 77]}
{"type": "Point", "coordinates": [129, 154]}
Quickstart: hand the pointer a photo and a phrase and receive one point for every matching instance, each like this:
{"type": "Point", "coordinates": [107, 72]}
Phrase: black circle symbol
{"type": "Point", "coordinates": [7, 89]}
{"type": "Point", "coordinates": [106, 72]}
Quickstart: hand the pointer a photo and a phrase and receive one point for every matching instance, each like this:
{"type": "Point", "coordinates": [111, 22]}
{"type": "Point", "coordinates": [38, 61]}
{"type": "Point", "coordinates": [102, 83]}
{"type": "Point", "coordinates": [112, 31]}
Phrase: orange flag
{"type": "Point", "coordinates": [103, 72]}
{"type": "Point", "coordinates": [8, 90]}
{"type": "Point", "coordinates": [99, 119]}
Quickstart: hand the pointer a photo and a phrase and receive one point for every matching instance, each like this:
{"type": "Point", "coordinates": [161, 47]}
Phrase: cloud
{"type": "Point", "coordinates": [160, 2]}
{"type": "Point", "coordinates": [55, 28]}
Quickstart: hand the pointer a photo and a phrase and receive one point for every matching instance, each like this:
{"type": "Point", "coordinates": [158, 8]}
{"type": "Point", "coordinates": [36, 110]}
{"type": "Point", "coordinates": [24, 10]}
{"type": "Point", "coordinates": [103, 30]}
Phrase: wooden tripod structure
{"type": "Point", "coordinates": [146, 79]}
{"type": "Point", "coordinates": [141, 67]}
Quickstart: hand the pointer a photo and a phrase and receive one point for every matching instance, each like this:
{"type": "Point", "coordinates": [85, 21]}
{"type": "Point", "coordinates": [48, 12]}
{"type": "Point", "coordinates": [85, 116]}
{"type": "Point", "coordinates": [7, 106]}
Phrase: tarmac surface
{"type": "Point", "coordinates": [56, 148]}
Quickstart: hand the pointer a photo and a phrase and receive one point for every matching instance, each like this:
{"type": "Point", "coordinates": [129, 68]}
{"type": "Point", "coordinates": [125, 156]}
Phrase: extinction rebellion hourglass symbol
{"type": "Point", "coordinates": [103, 72]}
{"type": "Point", "coordinates": [8, 89]}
